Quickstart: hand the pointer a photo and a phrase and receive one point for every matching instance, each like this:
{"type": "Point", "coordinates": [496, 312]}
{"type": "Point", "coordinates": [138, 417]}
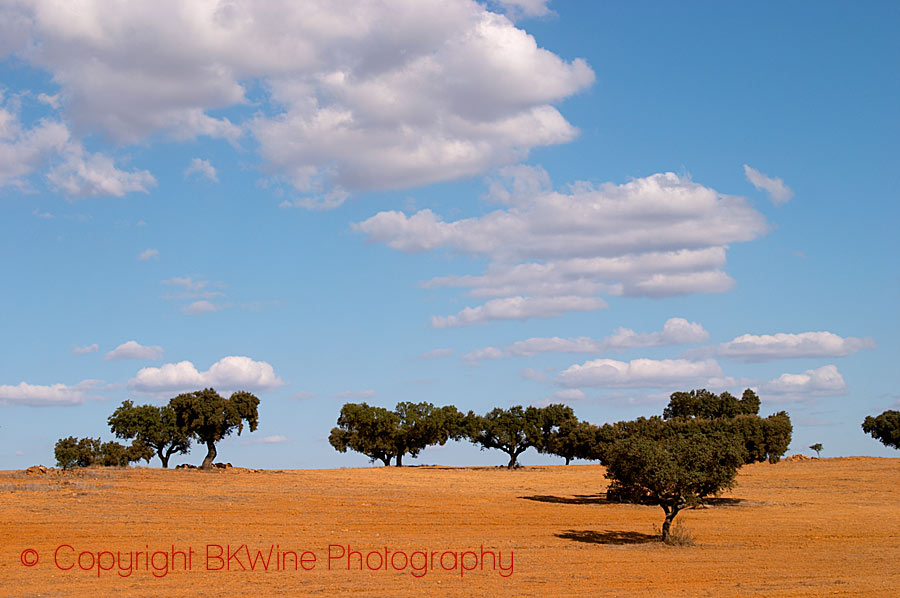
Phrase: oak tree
{"type": "Point", "coordinates": [208, 417]}
{"type": "Point", "coordinates": [885, 428]}
{"type": "Point", "coordinates": [153, 425]}
{"type": "Point", "coordinates": [676, 470]}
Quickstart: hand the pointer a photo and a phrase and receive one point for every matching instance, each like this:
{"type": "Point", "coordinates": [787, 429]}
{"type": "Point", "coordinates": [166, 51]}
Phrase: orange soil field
{"type": "Point", "coordinates": [827, 527]}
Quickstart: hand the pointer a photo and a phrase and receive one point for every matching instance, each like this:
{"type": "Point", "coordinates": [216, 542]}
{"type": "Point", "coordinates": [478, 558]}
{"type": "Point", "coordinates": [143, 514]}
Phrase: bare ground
{"type": "Point", "coordinates": [828, 527]}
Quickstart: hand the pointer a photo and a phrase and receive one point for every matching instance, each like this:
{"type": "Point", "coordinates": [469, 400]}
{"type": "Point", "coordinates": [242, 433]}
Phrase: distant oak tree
{"type": "Point", "coordinates": [885, 428]}
{"type": "Point", "coordinates": [153, 425]}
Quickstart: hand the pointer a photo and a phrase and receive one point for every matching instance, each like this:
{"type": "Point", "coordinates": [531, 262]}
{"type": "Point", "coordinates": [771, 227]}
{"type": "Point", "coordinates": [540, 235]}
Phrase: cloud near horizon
{"type": "Point", "coordinates": [53, 395]}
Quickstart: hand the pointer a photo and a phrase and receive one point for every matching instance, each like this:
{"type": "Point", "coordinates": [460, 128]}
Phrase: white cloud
{"type": "Point", "coordinates": [203, 168]}
{"type": "Point", "coordinates": [640, 373]}
{"type": "Point", "coordinates": [202, 307]}
{"type": "Point", "coordinates": [86, 349]}
{"type": "Point", "coordinates": [401, 94]}
{"type": "Point", "coordinates": [532, 374]}
{"type": "Point", "coordinates": [778, 192]}
{"type": "Point", "coordinates": [354, 394]}
{"type": "Point", "coordinates": [134, 350]}
{"type": "Point", "coordinates": [188, 284]}
{"type": "Point", "coordinates": [231, 373]}
{"type": "Point", "coordinates": [569, 394]}
{"type": "Point", "coordinates": [768, 347]}
{"type": "Point", "coordinates": [518, 308]}
{"type": "Point", "coordinates": [823, 381]}
{"type": "Point", "coordinates": [82, 174]}
{"type": "Point", "coordinates": [658, 236]}
{"type": "Point", "coordinates": [676, 331]}
{"type": "Point", "coordinates": [148, 254]}
{"type": "Point", "coordinates": [35, 395]}
{"type": "Point", "coordinates": [435, 353]}
{"type": "Point", "coordinates": [52, 101]}
{"type": "Point", "coordinates": [42, 215]}
{"type": "Point", "coordinates": [276, 439]}
{"type": "Point", "coordinates": [74, 171]}
{"type": "Point", "coordinates": [303, 395]}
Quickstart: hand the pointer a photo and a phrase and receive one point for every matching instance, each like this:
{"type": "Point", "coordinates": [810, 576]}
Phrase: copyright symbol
{"type": "Point", "coordinates": [29, 557]}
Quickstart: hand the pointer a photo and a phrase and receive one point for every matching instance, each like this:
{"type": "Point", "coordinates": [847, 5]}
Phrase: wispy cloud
{"type": "Point", "coordinates": [86, 349]}
{"type": "Point", "coordinates": [778, 192]}
{"type": "Point", "coordinates": [134, 350]}
{"type": "Point", "coordinates": [202, 168]}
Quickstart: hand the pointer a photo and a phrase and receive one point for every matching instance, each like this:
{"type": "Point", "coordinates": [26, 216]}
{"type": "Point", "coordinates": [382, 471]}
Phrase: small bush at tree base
{"type": "Point", "coordinates": [679, 535]}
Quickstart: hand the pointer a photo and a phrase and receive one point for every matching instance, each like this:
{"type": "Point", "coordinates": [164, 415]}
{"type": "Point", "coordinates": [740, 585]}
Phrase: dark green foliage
{"type": "Point", "coordinates": [562, 434]}
{"type": "Point", "coordinates": [885, 428]}
{"type": "Point", "coordinates": [704, 404]}
{"type": "Point", "coordinates": [764, 439]}
{"type": "Point", "coordinates": [817, 447]}
{"type": "Point", "coordinates": [74, 452]}
{"type": "Point", "coordinates": [208, 417]}
{"type": "Point", "coordinates": [382, 435]}
{"type": "Point", "coordinates": [153, 425]}
{"type": "Point", "coordinates": [777, 433]}
{"type": "Point", "coordinates": [510, 430]}
{"type": "Point", "coordinates": [367, 430]}
{"type": "Point", "coordinates": [420, 425]}
{"type": "Point", "coordinates": [678, 467]}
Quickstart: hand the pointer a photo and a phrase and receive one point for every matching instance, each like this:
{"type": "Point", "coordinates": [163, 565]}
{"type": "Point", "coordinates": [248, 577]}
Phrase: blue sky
{"type": "Point", "coordinates": [482, 205]}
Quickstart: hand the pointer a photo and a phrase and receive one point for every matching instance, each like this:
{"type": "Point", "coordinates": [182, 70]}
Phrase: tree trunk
{"type": "Point", "coordinates": [399, 460]}
{"type": "Point", "coordinates": [512, 461]}
{"type": "Point", "coordinates": [667, 524]}
{"type": "Point", "coordinates": [210, 455]}
{"type": "Point", "coordinates": [164, 458]}
{"type": "Point", "coordinates": [386, 461]}
{"type": "Point", "coordinates": [568, 459]}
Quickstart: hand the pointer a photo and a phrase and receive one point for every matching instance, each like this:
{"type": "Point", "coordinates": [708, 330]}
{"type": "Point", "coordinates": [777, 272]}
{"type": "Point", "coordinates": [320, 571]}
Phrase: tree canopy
{"type": "Point", "coordinates": [153, 425]}
{"type": "Point", "coordinates": [678, 468]}
{"type": "Point", "coordinates": [208, 417]}
{"type": "Point", "coordinates": [382, 435]}
{"type": "Point", "coordinates": [708, 405]}
{"type": "Point", "coordinates": [516, 429]}
{"type": "Point", "coordinates": [83, 452]}
{"type": "Point", "coordinates": [885, 428]}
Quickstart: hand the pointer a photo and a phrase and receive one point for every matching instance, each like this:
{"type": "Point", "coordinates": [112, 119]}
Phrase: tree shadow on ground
{"type": "Point", "coordinates": [578, 499]}
{"type": "Point", "coordinates": [607, 537]}
{"type": "Point", "coordinates": [723, 502]}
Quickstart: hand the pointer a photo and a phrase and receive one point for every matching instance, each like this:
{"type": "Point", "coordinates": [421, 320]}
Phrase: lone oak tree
{"type": "Point", "coordinates": [207, 416]}
{"type": "Point", "coordinates": [885, 428]}
{"type": "Point", "coordinates": [676, 470]}
{"type": "Point", "coordinates": [154, 426]}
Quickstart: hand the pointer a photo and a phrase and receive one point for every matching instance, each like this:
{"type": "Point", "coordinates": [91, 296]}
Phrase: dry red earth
{"type": "Point", "coordinates": [827, 527]}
